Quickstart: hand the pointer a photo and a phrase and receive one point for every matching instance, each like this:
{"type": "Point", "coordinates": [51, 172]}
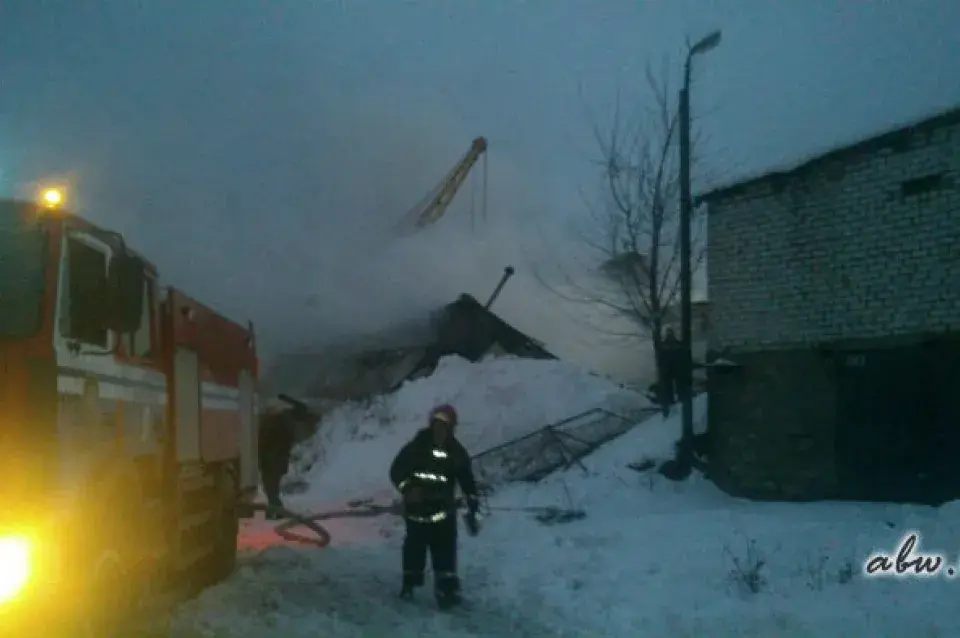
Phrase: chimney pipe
{"type": "Point", "coordinates": [507, 274]}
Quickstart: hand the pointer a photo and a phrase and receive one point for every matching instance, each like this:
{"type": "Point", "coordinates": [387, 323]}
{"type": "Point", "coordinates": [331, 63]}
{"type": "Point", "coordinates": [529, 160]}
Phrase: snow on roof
{"type": "Point", "coordinates": [857, 141]}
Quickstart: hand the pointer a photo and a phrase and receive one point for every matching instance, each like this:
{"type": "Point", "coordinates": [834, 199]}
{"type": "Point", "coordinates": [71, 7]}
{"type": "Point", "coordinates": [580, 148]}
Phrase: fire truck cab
{"type": "Point", "coordinates": [127, 427]}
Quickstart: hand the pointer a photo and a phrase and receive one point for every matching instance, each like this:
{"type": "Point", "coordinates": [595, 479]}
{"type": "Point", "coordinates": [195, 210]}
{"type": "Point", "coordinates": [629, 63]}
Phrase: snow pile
{"type": "Point", "coordinates": [498, 400]}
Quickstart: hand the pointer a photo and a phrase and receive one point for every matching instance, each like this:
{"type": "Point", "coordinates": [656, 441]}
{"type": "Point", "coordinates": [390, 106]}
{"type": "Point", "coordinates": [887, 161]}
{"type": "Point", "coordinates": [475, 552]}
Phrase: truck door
{"type": "Point", "coordinates": [186, 374]}
{"type": "Point", "coordinates": [87, 374]}
{"type": "Point", "coordinates": [249, 471]}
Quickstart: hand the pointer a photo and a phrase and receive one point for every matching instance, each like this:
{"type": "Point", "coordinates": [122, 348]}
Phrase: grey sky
{"type": "Point", "coordinates": [257, 150]}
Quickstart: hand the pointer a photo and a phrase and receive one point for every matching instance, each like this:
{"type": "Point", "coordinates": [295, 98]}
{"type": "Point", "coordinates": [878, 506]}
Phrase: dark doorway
{"type": "Point", "coordinates": [893, 443]}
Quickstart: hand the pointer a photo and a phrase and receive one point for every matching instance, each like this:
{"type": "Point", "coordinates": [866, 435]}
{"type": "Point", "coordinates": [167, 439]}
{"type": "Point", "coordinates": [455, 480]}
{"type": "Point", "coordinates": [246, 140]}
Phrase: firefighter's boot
{"type": "Point", "coordinates": [448, 591]}
{"type": "Point", "coordinates": [411, 580]}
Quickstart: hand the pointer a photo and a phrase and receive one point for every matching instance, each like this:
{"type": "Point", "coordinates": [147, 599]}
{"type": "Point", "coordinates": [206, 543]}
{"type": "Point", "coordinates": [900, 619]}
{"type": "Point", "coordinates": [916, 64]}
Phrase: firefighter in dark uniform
{"type": "Point", "coordinates": [426, 472]}
{"type": "Point", "coordinates": [275, 443]}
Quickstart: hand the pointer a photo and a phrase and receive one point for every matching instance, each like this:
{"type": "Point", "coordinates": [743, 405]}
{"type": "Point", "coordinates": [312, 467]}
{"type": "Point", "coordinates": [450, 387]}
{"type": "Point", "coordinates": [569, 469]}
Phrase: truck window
{"type": "Point", "coordinates": [23, 254]}
{"type": "Point", "coordinates": [84, 294]}
{"type": "Point", "coordinates": [140, 343]}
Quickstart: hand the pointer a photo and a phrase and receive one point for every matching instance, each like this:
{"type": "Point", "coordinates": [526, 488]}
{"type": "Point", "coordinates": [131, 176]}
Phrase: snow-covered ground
{"type": "Point", "coordinates": [652, 558]}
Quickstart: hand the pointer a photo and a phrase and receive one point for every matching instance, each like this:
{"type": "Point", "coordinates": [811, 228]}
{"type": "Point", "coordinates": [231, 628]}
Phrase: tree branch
{"type": "Point", "coordinates": [634, 233]}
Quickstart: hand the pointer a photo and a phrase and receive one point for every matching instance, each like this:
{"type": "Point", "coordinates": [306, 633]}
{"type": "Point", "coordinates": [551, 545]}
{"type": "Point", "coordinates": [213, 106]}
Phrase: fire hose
{"type": "Point", "coordinates": [366, 508]}
{"type": "Point", "coordinates": [320, 535]}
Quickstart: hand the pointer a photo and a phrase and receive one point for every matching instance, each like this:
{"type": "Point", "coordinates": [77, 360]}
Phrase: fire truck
{"type": "Point", "coordinates": [127, 428]}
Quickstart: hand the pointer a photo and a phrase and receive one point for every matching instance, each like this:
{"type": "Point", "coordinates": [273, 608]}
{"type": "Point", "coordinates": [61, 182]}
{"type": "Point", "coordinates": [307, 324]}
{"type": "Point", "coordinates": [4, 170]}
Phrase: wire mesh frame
{"type": "Point", "coordinates": [557, 446]}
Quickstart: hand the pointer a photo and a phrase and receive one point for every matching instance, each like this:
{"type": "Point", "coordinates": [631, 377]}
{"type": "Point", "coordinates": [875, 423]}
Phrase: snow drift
{"type": "Point", "coordinates": [498, 400]}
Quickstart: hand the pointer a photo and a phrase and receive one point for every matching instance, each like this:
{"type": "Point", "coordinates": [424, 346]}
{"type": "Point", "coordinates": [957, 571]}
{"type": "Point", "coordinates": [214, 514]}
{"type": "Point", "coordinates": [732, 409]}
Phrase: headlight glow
{"type": "Point", "coordinates": [15, 566]}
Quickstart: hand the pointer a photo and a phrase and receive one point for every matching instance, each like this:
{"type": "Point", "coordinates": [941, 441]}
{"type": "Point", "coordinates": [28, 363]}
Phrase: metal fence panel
{"type": "Point", "coordinates": [558, 445]}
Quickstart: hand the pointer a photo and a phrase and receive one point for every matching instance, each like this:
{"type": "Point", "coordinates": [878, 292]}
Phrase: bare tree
{"type": "Point", "coordinates": [632, 266]}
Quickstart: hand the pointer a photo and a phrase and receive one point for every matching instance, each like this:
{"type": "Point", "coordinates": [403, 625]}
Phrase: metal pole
{"type": "Point", "coordinates": [507, 274]}
{"type": "Point", "coordinates": [686, 382]}
{"type": "Point", "coordinates": [685, 451]}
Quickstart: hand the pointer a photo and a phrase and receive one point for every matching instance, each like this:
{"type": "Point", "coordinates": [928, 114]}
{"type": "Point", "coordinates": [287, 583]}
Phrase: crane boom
{"type": "Point", "coordinates": [439, 199]}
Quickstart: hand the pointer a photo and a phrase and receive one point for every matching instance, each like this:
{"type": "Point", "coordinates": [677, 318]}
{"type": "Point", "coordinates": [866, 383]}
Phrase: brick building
{"type": "Point", "coordinates": [835, 288]}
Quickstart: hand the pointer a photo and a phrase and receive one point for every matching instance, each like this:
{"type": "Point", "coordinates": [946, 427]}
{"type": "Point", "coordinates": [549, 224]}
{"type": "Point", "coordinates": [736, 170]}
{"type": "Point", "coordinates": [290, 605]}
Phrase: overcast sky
{"type": "Point", "coordinates": [258, 151]}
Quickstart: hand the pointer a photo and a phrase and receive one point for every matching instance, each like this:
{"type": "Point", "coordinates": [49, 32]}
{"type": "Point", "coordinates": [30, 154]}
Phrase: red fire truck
{"type": "Point", "coordinates": [127, 428]}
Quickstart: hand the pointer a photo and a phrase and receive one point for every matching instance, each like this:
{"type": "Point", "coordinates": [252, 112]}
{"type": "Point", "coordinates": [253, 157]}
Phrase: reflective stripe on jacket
{"type": "Point", "coordinates": [436, 471]}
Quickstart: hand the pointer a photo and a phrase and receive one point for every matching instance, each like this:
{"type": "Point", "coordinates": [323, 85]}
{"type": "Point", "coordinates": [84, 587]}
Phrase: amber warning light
{"type": "Point", "coordinates": [52, 198]}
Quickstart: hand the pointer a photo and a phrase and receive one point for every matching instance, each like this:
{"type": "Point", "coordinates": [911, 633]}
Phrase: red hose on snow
{"type": "Point", "coordinates": [321, 536]}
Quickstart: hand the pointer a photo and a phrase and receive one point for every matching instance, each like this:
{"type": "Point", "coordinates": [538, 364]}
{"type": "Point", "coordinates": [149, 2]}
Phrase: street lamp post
{"type": "Point", "coordinates": [686, 283]}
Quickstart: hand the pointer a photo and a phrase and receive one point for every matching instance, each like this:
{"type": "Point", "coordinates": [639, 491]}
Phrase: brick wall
{"type": "Point", "coordinates": [840, 249]}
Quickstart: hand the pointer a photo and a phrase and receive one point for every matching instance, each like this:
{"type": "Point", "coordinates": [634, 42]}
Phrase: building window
{"type": "Point", "coordinates": [922, 185]}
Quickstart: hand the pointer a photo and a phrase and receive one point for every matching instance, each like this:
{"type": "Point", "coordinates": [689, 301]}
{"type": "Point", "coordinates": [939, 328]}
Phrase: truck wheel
{"type": "Point", "coordinates": [114, 589]}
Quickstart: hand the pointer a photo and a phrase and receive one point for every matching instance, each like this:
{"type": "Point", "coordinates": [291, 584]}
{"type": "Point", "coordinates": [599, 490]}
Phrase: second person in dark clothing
{"type": "Point", "coordinates": [671, 367]}
{"type": "Point", "coordinates": [426, 471]}
{"type": "Point", "coordinates": [275, 443]}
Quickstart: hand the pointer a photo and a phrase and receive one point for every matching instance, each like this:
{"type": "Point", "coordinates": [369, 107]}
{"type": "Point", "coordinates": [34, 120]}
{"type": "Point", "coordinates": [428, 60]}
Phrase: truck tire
{"type": "Point", "coordinates": [114, 588]}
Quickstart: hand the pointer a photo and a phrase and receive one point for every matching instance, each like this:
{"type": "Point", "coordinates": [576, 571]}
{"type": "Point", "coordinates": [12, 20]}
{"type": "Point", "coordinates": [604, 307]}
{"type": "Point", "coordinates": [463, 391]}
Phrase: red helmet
{"type": "Point", "coordinates": [445, 413]}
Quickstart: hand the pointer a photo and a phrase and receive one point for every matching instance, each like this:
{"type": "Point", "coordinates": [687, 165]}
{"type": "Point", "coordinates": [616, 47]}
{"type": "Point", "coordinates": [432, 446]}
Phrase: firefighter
{"type": "Point", "coordinates": [426, 472]}
{"type": "Point", "coordinates": [276, 438]}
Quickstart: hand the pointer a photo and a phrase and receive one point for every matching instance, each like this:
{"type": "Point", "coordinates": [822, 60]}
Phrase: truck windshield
{"type": "Point", "coordinates": [23, 245]}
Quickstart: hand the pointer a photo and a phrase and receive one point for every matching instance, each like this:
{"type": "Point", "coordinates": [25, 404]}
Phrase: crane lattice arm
{"type": "Point", "coordinates": [439, 199]}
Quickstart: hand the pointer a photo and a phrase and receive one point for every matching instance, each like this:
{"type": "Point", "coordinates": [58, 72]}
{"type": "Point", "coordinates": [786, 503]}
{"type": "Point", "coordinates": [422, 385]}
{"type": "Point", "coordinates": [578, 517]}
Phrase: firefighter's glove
{"type": "Point", "coordinates": [472, 522]}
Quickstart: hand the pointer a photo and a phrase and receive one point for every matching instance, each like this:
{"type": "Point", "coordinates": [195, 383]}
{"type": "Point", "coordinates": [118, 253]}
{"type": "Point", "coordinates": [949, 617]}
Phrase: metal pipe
{"type": "Point", "coordinates": [507, 274]}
